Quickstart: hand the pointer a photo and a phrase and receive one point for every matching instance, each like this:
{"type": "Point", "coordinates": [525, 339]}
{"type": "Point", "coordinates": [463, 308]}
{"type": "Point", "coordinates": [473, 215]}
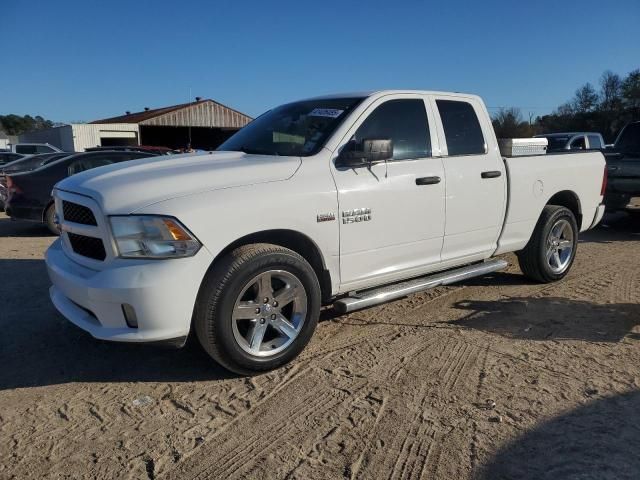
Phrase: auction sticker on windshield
{"type": "Point", "coordinates": [326, 112]}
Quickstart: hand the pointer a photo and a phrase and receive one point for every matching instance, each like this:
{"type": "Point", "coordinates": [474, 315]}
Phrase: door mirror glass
{"type": "Point", "coordinates": [365, 152]}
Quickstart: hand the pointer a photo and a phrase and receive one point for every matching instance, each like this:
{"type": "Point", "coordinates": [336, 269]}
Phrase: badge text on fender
{"type": "Point", "coordinates": [356, 215]}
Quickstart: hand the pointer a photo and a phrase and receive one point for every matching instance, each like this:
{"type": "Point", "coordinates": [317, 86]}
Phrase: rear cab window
{"type": "Point", "coordinates": [26, 149]}
{"type": "Point", "coordinates": [462, 129]}
{"type": "Point", "coordinates": [44, 149]}
{"type": "Point", "coordinates": [595, 142]}
{"type": "Point", "coordinates": [629, 139]}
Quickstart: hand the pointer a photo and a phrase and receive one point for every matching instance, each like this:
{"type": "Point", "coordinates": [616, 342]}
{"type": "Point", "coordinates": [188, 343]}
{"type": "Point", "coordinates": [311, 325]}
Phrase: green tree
{"type": "Point", "coordinates": [508, 123]}
{"type": "Point", "coordinates": [17, 125]}
{"type": "Point", "coordinates": [631, 89]}
{"type": "Point", "coordinates": [610, 91]}
{"type": "Point", "coordinates": [607, 111]}
{"type": "Point", "coordinates": [585, 99]}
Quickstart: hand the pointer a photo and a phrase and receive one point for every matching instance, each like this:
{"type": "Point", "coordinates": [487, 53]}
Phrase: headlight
{"type": "Point", "coordinates": [150, 236]}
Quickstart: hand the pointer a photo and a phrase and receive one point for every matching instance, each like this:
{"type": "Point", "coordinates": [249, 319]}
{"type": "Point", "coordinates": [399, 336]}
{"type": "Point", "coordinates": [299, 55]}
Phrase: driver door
{"type": "Point", "coordinates": [392, 213]}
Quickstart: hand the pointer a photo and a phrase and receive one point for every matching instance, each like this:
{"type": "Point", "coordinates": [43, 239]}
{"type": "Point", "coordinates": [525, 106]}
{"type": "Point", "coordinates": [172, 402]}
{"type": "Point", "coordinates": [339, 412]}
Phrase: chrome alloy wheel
{"type": "Point", "coordinates": [560, 246]}
{"type": "Point", "coordinates": [269, 313]}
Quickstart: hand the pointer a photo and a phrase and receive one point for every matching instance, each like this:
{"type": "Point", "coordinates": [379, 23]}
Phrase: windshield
{"type": "Point", "coordinates": [629, 140]}
{"type": "Point", "coordinates": [296, 129]}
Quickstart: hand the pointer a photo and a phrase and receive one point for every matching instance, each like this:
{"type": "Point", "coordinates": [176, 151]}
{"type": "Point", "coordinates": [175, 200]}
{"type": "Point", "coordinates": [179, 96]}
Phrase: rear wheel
{"type": "Point", "coordinates": [50, 219]}
{"type": "Point", "coordinates": [257, 308]}
{"type": "Point", "coordinates": [552, 248]}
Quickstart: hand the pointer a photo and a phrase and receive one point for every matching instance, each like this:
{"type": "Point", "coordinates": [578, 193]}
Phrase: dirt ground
{"type": "Point", "coordinates": [494, 378]}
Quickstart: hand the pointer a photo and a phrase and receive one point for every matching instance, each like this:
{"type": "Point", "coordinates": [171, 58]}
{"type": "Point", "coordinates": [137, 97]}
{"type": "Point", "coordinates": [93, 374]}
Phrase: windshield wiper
{"type": "Point", "coordinates": [255, 151]}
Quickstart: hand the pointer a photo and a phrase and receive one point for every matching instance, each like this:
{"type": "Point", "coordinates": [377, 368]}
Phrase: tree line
{"type": "Point", "coordinates": [16, 125]}
{"type": "Point", "coordinates": [606, 110]}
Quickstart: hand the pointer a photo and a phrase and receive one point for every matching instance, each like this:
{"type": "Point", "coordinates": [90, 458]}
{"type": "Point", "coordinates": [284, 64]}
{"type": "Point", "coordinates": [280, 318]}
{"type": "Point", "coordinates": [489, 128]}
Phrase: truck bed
{"type": "Point", "coordinates": [533, 180]}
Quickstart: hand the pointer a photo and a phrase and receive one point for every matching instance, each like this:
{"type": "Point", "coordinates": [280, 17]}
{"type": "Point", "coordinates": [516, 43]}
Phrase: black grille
{"type": "Point", "coordinates": [87, 246]}
{"type": "Point", "coordinates": [78, 213]}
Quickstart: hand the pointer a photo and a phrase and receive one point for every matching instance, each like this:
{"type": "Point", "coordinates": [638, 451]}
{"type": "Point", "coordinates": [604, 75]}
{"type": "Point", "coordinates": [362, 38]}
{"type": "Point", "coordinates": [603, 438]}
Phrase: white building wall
{"type": "Point", "coordinates": [87, 135]}
{"type": "Point", "coordinates": [78, 136]}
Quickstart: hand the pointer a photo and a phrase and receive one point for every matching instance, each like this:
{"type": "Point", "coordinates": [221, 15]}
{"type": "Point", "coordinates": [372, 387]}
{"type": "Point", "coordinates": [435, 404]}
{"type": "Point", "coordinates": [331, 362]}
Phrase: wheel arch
{"type": "Point", "coordinates": [293, 240]}
{"type": "Point", "coordinates": [568, 199]}
{"type": "Point", "coordinates": [44, 210]}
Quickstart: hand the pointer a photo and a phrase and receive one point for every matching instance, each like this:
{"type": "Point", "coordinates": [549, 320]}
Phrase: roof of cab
{"type": "Point", "coordinates": [380, 93]}
{"type": "Point", "coordinates": [564, 134]}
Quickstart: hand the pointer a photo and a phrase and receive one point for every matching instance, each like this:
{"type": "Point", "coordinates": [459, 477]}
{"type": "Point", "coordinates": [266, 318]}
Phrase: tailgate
{"type": "Point", "coordinates": [624, 174]}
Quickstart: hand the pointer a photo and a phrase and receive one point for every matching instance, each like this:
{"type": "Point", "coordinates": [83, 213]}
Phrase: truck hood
{"type": "Point", "coordinates": [126, 187]}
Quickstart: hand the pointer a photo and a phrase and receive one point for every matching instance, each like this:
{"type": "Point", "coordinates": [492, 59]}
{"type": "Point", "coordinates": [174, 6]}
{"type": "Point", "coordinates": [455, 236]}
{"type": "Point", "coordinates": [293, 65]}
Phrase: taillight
{"type": "Point", "coordinates": [12, 187]}
{"type": "Point", "coordinates": [605, 177]}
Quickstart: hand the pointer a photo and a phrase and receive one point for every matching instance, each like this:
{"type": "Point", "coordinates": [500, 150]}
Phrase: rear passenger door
{"type": "Point", "coordinates": [475, 179]}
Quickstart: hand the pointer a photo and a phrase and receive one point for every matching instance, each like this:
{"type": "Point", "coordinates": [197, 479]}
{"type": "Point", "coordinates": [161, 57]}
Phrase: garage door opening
{"type": "Point", "coordinates": [202, 138]}
{"type": "Point", "coordinates": [118, 138]}
{"type": "Point", "coordinates": [118, 142]}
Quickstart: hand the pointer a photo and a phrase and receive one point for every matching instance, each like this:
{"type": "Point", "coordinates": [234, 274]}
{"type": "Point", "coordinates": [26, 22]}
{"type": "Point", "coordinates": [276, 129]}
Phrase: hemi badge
{"type": "Point", "coordinates": [326, 217]}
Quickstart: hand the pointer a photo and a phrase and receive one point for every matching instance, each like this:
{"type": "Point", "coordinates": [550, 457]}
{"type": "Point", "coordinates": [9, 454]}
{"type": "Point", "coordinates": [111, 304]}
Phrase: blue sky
{"type": "Point", "coordinates": [83, 60]}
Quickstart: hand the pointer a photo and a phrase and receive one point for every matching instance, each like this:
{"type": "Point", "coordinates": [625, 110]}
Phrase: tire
{"type": "Point", "coordinates": [538, 260]}
{"type": "Point", "coordinates": [234, 288]}
{"type": "Point", "coordinates": [49, 219]}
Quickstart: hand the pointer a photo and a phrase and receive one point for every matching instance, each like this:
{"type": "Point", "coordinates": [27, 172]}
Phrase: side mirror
{"type": "Point", "coordinates": [365, 153]}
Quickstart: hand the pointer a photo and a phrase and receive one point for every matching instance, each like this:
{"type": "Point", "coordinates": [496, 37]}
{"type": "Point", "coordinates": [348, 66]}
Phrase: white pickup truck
{"type": "Point", "coordinates": [349, 199]}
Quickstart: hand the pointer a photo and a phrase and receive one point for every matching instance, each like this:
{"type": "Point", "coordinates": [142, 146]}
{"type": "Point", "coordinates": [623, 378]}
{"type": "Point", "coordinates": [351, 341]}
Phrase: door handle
{"type": "Point", "coordinates": [427, 180]}
{"type": "Point", "coordinates": [491, 174]}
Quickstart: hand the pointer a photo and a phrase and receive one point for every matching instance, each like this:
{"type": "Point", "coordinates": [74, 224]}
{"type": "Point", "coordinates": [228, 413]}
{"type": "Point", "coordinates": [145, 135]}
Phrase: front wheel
{"type": "Point", "coordinates": [257, 308]}
{"type": "Point", "coordinates": [552, 248]}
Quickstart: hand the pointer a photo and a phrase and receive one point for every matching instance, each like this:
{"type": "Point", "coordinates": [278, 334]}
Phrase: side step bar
{"type": "Point", "coordinates": [392, 292]}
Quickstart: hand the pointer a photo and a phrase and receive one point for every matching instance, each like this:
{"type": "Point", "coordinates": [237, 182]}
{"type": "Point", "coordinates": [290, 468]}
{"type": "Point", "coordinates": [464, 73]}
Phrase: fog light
{"type": "Point", "coordinates": [130, 315]}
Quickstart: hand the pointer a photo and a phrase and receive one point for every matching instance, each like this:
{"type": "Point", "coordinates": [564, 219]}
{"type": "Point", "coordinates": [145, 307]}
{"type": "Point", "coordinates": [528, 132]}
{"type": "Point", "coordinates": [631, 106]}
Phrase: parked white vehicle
{"type": "Point", "coordinates": [34, 148]}
{"type": "Point", "coordinates": [348, 199]}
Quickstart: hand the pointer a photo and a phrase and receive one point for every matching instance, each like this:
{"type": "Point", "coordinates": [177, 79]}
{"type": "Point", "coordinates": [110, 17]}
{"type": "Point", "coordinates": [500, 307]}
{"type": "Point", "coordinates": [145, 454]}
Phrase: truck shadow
{"type": "Point", "coordinates": [550, 318]}
{"type": "Point", "coordinates": [615, 227]}
{"type": "Point", "coordinates": [39, 347]}
{"type": "Point", "coordinates": [599, 440]}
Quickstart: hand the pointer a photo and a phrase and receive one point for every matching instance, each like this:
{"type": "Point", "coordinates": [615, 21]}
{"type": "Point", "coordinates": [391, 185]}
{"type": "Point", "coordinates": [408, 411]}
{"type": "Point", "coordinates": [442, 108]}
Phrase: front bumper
{"type": "Point", "coordinates": [161, 292]}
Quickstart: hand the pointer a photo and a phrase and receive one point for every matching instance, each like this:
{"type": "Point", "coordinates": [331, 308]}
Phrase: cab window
{"type": "Point", "coordinates": [26, 149]}
{"type": "Point", "coordinates": [578, 144]}
{"type": "Point", "coordinates": [404, 122]}
{"type": "Point", "coordinates": [461, 128]}
{"type": "Point", "coordinates": [43, 149]}
{"type": "Point", "coordinates": [594, 142]}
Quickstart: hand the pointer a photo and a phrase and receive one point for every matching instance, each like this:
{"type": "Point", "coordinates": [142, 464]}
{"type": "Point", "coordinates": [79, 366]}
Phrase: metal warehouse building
{"type": "Point", "coordinates": [204, 124]}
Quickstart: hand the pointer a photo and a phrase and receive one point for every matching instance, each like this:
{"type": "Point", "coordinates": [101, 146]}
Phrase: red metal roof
{"type": "Point", "coordinates": [137, 117]}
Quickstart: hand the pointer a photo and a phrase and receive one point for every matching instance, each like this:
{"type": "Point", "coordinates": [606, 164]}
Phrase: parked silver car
{"type": "Point", "coordinates": [573, 141]}
{"type": "Point", "coordinates": [34, 148]}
